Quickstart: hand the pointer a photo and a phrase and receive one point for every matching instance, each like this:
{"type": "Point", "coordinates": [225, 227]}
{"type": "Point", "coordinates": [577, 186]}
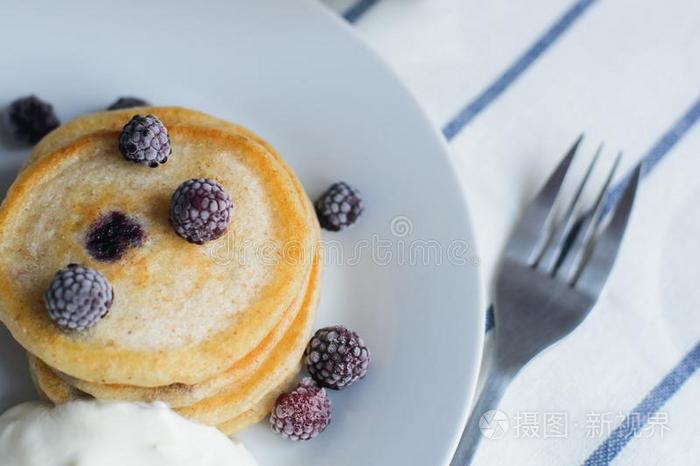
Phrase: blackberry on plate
{"type": "Point", "coordinates": [200, 210]}
{"type": "Point", "coordinates": [112, 235]}
{"type": "Point", "coordinates": [128, 102]}
{"type": "Point", "coordinates": [145, 140]}
{"type": "Point", "coordinates": [339, 206]}
{"type": "Point", "coordinates": [336, 357]}
{"type": "Point", "coordinates": [28, 119]}
{"type": "Point", "coordinates": [78, 297]}
{"type": "Point", "coordinates": [303, 413]}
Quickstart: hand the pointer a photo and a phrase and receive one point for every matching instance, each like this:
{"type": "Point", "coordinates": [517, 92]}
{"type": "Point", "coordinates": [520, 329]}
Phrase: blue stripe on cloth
{"type": "Point", "coordinates": [496, 88]}
{"type": "Point", "coordinates": [357, 10]}
{"type": "Point", "coordinates": [656, 153]}
{"type": "Point", "coordinates": [636, 420]}
{"type": "Point", "coordinates": [489, 318]}
{"type": "Point", "coordinates": [639, 417]}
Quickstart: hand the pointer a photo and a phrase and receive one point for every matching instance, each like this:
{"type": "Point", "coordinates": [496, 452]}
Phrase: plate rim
{"type": "Point", "coordinates": [474, 354]}
{"type": "Point", "coordinates": [446, 151]}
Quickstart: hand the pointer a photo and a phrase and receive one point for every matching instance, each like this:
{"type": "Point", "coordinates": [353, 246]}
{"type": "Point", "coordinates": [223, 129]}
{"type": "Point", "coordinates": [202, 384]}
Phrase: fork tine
{"type": "Point", "coordinates": [595, 272]}
{"type": "Point", "coordinates": [529, 235]}
{"type": "Point", "coordinates": [575, 255]}
{"type": "Point", "coordinates": [553, 251]}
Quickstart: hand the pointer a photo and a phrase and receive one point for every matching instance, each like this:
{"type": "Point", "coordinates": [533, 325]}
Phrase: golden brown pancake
{"type": "Point", "coordinates": [250, 416]}
{"type": "Point", "coordinates": [257, 412]}
{"type": "Point", "coordinates": [178, 395]}
{"type": "Point", "coordinates": [179, 316]}
{"type": "Point", "coordinates": [175, 395]}
{"type": "Point", "coordinates": [244, 384]}
{"type": "Point", "coordinates": [282, 365]}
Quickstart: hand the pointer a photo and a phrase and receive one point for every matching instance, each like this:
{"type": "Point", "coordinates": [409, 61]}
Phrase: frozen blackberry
{"type": "Point", "coordinates": [112, 235]}
{"type": "Point", "coordinates": [78, 297]}
{"type": "Point", "coordinates": [128, 102]}
{"type": "Point", "coordinates": [336, 357]}
{"type": "Point", "coordinates": [145, 140]}
{"type": "Point", "coordinates": [28, 119]}
{"type": "Point", "coordinates": [339, 207]}
{"type": "Point", "coordinates": [200, 210]}
{"type": "Point", "coordinates": [303, 413]}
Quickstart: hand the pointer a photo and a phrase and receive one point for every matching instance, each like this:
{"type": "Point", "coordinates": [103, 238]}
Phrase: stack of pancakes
{"type": "Point", "coordinates": [217, 331]}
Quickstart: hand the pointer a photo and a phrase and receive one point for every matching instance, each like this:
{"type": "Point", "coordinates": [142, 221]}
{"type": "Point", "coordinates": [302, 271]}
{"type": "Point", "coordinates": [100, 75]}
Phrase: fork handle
{"type": "Point", "coordinates": [494, 386]}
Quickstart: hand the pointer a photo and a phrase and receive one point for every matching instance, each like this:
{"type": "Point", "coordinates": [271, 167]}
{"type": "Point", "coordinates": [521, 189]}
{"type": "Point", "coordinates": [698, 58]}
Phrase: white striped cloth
{"type": "Point", "coordinates": [513, 84]}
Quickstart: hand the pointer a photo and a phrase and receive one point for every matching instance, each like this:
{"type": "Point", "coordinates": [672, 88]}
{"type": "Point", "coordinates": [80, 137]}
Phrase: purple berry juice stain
{"type": "Point", "coordinates": [112, 235]}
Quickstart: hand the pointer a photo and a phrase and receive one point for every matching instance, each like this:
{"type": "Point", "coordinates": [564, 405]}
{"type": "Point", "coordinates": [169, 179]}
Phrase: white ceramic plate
{"type": "Point", "coordinates": [294, 72]}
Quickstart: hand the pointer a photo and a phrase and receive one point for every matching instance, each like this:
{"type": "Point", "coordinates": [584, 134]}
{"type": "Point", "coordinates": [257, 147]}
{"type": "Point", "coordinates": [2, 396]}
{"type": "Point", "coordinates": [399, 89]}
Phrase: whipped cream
{"type": "Point", "coordinates": [93, 433]}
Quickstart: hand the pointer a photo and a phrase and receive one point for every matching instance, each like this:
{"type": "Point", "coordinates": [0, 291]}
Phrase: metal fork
{"type": "Point", "coordinates": [550, 276]}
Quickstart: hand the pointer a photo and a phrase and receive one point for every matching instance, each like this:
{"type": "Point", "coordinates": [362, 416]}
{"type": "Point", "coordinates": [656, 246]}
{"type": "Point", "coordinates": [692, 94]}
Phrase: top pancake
{"type": "Point", "coordinates": [180, 315]}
